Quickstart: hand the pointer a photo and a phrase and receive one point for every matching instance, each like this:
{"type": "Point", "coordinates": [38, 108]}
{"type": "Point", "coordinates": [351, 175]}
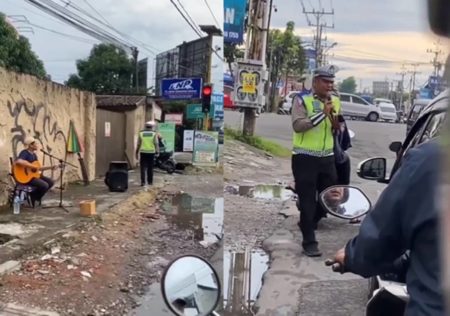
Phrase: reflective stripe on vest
{"type": "Point", "coordinates": [147, 142]}
{"type": "Point", "coordinates": [318, 141]}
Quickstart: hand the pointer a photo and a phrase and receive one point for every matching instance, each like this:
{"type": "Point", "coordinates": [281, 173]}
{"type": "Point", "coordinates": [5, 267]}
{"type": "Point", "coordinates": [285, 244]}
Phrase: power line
{"type": "Point", "coordinates": [212, 13]}
{"type": "Point", "coordinates": [186, 19]}
{"type": "Point", "coordinates": [96, 11]}
{"type": "Point", "coordinates": [80, 23]}
{"type": "Point", "coordinates": [109, 26]}
{"type": "Point", "coordinates": [81, 39]}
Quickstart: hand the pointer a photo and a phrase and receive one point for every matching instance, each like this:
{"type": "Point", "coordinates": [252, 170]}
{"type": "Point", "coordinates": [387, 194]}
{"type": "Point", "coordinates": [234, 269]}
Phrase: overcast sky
{"type": "Point", "coordinates": [373, 37]}
{"type": "Point", "coordinates": [155, 22]}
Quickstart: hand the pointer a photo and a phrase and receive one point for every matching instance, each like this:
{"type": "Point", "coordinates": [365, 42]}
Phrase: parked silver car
{"type": "Point", "coordinates": [356, 107]}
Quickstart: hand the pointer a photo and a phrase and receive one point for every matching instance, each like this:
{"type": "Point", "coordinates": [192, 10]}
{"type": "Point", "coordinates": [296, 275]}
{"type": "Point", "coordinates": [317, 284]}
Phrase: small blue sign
{"type": "Point", "coordinates": [217, 101]}
{"type": "Point", "coordinates": [181, 88]}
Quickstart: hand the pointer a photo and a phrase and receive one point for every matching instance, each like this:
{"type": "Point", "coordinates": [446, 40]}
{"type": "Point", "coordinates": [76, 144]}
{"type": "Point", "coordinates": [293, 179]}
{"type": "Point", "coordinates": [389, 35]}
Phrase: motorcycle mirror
{"type": "Point", "coordinates": [345, 201]}
{"type": "Point", "coordinates": [191, 286]}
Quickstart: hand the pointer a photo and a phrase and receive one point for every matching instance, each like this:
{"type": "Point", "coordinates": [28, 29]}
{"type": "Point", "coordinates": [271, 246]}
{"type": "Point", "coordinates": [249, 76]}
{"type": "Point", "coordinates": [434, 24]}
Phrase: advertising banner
{"type": "Point", "coordinates": [188, 140]}
{"type": "Point", "coordinates": [181, 88]}
{"type": "Point", "coordinates": [206, 147]}
{"type": "Point", "coordinates": [167, 131]}
{"type": "Point", "coordinates": [234, 21]}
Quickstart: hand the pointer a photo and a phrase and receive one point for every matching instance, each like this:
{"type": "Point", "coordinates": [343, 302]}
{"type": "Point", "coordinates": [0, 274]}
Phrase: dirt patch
{"type": "Point", "coordinates": [100, 268]}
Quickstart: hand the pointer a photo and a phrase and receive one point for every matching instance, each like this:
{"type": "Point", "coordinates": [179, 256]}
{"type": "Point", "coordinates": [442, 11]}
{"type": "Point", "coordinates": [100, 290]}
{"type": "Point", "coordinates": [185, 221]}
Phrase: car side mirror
{"type": "Point", "coordinates": [439, 17]}
{"type": "Point", "coordinates": [372, 169]}
{"type": "Point", "coordinates": [395, 147]}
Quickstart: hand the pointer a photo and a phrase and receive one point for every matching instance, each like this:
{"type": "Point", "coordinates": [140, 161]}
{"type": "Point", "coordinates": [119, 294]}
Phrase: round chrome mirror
{"type": "Point", "coordinates": [191, 287]}
{"type": "Point", "coordinates": [345, 201]}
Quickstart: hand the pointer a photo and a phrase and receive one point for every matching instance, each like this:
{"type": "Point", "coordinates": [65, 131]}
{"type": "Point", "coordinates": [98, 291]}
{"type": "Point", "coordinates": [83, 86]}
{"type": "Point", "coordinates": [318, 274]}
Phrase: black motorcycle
{"type": "Point", "coordinates": [165, 161]}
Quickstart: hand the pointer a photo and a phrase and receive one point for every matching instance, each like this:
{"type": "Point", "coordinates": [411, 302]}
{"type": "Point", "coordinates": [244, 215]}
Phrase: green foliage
{"type": "Point", "coordinates": [258, 142]}
{"type": "Point", "coordinates": [107, 70]}
{"type": "Point", "coordinates": [286, 52]}
{"type": "Point", "coordinates": [16, 53]}
{"type": "Point", "coordinates": [348, 85]}
{"type": "Point", "coordinates": [231, 53]}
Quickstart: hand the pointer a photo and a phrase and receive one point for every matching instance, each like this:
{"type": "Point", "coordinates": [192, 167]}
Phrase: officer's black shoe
{"type": "Point", "coordinates": [312, 250]}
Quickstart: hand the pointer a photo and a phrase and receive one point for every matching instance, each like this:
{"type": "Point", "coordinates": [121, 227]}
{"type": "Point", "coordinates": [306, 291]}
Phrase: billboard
{"type": "Point", "coordinates": [234, 21]}
{"type": "Point", "coordinates": [181, 88]}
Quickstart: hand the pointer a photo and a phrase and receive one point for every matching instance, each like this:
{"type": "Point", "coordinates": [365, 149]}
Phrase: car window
{"type": "Point", "coordinates": [358, 100]}
{"type": "Point", "coordinates": [345, 98]}
{"type": "Point", "coordinates": [433, 127]}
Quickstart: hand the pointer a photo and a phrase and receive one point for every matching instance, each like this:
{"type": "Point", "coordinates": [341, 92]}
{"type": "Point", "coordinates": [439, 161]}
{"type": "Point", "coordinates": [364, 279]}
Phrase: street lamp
{"type": "Point", "coordinates": [324, 53]}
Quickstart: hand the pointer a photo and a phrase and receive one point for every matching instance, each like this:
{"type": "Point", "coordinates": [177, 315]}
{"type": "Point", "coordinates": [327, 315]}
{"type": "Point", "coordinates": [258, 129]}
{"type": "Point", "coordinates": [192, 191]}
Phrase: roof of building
{"type": "Point", "coordinates": [120, 102]}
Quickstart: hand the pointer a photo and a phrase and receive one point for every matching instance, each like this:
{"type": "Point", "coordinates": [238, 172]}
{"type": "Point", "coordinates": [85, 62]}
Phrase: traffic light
{"type": "Point", "coordinates": [206, 98]}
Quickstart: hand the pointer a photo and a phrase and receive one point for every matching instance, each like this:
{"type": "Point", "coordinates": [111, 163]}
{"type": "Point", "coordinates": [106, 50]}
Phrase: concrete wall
{"type": "Point", "coordinates": [43, 109]}
{"type": "Point", "coordinates": [135, 121]}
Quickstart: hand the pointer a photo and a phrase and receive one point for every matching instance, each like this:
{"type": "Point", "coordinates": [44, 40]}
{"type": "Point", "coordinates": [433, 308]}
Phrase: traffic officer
{"type": "Point", "coordinates": [147, 147]}
{"type": "Point", "coordinates": [314, 116]}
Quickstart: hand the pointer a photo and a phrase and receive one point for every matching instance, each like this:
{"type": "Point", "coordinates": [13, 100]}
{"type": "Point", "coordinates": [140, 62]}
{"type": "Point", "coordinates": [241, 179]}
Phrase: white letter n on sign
{"type": "Point", "coordinates": [229, 15]}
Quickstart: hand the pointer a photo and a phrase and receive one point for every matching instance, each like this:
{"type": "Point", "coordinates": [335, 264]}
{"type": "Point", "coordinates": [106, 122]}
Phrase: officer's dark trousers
{"type": "Point", "coordinates": [312, 175]}
{"type": "Point", "coordinates": [343, 172]}
{"type": "Point", "coordinates": [147, 162]}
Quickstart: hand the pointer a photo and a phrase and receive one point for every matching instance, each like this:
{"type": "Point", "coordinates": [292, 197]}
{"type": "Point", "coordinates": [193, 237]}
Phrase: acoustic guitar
{"type": "Point", "coordinates": [24, 175]}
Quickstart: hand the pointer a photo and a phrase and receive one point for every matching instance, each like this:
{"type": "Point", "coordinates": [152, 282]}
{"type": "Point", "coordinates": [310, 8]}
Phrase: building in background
{"type": "Point", "coordinates": [380, 88]}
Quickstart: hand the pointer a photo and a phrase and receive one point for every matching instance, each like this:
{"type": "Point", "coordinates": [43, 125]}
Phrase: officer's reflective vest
{"type": "Point", "coordinates": [317, 141]}
{"type": "Point", "coordinates": [147, 142]}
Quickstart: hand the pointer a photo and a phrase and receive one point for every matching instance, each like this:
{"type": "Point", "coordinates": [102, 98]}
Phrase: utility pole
{"type": "Point", "coordinates": [435, 62]}
{"type": "Point", "coordinates": [403, 74]}
{"type": "Point", "coordinates": [318, 14]}
{"type": "Point", "coordinates": [135, 54]}
{"type": "Point", "coordinates": [413, 73]}
{"type": "Point", "coordinates": [256, 50]}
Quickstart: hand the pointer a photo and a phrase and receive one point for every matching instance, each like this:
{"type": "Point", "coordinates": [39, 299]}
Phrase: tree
{"type": "Point", "coordinates": [231, 53]}
{"type": "Point", "coordinates": [285, 55]}
{"type": "Point", "coordinates": [107, 70]}
{"type": "Point", "coordinates": [16, 53]}
{"type": "Point", "coordinates": [348, 85]}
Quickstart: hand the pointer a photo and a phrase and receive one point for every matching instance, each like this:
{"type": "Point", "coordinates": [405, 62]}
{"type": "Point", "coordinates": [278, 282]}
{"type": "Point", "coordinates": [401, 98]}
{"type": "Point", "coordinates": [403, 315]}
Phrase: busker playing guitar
{"type": "Point", "coordinates": [27, 167]}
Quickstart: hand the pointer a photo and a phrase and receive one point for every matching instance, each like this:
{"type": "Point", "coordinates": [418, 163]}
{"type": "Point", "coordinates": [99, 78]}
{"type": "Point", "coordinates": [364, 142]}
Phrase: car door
{"type": "Point", "coordinates": [361, 107]}
{"type": "Point", "coordinates": [425, 129]}
{"type": "Point", "coordinates": [346, 105]}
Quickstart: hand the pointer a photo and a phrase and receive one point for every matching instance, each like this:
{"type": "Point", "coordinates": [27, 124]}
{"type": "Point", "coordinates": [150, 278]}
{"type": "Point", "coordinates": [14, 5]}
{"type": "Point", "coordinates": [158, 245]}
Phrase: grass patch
{"type": "Point", "coordinates": [258, 142]}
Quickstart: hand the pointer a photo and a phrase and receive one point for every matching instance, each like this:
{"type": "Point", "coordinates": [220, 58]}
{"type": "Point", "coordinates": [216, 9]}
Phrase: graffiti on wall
{"type": "Point", "coordinates": [35, 120]}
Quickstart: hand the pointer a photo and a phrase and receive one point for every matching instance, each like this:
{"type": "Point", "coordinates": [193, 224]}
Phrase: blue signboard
{"type": "Point", "coordinates": [234, 21]}
{"type": "Point", "coordinates": [181, 88]}
{"type": "Point", "coordinates": [217, 101]}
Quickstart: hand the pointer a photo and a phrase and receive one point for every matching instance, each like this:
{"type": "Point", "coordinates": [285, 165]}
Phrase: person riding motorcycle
{"type": "Point", "coordinates": [404, 218]}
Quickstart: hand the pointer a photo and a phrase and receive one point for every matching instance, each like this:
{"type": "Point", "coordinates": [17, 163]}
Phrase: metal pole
{"type": "Point", "coordinates": [208, 78]}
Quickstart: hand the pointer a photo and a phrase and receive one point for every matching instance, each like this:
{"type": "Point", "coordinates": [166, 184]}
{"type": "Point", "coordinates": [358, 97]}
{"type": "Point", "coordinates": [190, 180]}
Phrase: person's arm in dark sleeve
{"type": "Point", "coordinates": [379, 241]}
{"type": "Point", "coordinates": [300, 120]}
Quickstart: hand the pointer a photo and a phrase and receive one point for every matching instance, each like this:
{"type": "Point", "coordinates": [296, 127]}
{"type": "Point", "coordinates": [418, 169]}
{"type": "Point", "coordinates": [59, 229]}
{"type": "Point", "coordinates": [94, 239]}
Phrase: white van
{"type": "Point", "coordinates": [356, 107]}
{"type": "Point", "coordinates": [388, 111]}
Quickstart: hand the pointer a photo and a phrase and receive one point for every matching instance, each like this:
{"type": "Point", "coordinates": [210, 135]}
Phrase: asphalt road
{"type": "Point", "coordinates": [371, 140]}
{"type": "Point", "coordinates": [320, 291]}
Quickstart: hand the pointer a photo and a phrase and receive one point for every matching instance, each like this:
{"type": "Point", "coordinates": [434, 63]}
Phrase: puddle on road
{"type": "Point", "coordinates": [4, 238]}
{"type": "Point", "coordinates": [243, 272]}
{"type": "Point", "coordinates": [152, 303]}
{"type": "Point", "coordinates": [262, 191]}
{"type": "Point", "coordinates": [203, 216]}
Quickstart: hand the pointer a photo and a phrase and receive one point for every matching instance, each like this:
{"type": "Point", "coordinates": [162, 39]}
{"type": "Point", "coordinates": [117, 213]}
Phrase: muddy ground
{"type": "Point", "coordinates": [106, 263]}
